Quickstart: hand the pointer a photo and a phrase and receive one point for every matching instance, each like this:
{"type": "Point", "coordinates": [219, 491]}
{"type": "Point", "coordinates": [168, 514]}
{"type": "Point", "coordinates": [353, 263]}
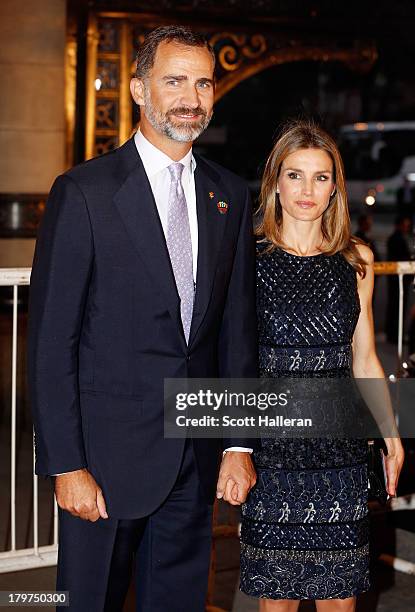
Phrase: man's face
{"type": "Point", "coordinates": [177, 95]}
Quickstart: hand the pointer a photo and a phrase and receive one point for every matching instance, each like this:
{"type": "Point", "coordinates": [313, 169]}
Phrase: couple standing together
{"type": "Point", "coordinates": [145, 270]}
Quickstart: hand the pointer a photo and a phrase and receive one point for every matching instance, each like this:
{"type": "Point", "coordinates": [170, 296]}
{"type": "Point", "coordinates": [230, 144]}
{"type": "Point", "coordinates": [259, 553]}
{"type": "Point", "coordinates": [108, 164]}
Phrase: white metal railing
{"type": "Point", "coordinates": [401, 268]}
{"type": "Point", "coordinates": [43, 556]}
{"type": "Point", "coordinates": [37, 556]}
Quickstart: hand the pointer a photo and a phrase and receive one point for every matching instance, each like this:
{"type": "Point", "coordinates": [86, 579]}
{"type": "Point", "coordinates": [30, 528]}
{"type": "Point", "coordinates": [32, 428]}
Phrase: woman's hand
{"type": "Point", "coordinates": [393, 463]}
{"type": "Point", "coordinates": [366, 365]}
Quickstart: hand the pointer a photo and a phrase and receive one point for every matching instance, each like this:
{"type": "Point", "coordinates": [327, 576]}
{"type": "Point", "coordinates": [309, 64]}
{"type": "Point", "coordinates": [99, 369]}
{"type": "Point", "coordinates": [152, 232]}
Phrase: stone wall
{"type": "Point", "coordinates": [32, 125]}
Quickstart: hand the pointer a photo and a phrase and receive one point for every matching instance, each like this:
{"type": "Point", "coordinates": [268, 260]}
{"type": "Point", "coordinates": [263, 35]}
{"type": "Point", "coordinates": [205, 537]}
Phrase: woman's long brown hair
{"type": "Point", "coordinates": [335, 225]}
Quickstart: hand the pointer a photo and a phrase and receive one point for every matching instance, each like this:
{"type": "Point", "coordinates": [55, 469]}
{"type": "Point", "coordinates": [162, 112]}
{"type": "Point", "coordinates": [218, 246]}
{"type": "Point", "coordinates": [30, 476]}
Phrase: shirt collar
{"type": "Point", "coordinates": [154, 160]}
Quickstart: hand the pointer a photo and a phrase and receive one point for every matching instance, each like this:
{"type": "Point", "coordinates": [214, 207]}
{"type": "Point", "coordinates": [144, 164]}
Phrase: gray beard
{"type": "Point", "coordinates": [163, 124]}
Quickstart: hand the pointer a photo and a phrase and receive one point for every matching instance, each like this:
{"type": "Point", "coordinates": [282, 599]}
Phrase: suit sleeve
{"type": "Point", "coordinates": [238, 348]}
{"type": "Point", "coordinates": [59, 287]}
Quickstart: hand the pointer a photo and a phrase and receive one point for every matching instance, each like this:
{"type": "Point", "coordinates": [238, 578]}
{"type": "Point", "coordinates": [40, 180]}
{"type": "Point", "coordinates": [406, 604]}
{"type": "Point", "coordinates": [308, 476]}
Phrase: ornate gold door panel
{"type": "Point", "coordinates": [113, 39]}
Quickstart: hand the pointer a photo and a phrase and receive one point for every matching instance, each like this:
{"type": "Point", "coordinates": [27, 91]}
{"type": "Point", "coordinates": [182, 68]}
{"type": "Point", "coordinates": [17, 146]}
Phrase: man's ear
{"type": "Point", "coordinates": [137, 90]}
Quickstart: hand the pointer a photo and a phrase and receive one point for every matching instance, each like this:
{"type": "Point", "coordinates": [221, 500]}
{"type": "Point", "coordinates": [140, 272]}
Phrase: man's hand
{"type": "Point", "coordinates": [236, 477]}
{"type": "Point", "coordinates": [78, 493]}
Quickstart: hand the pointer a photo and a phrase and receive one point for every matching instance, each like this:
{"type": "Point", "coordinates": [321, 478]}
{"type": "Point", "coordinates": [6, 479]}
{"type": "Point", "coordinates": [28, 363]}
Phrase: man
{"type": "Point", "coordinates": [144, 270]}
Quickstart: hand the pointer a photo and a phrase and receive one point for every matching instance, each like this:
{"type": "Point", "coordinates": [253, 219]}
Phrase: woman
{"type": "Point", "coordinates": [304, 529]}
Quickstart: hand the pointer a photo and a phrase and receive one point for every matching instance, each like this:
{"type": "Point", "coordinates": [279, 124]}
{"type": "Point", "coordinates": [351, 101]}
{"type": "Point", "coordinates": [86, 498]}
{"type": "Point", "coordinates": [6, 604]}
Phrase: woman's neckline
{"type": "Point", "coordinates": [300, 256]}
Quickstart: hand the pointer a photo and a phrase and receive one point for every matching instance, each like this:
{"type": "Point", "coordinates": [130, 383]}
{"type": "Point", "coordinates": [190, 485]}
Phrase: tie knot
{"type": "Point", "coordinates": [176, 171]}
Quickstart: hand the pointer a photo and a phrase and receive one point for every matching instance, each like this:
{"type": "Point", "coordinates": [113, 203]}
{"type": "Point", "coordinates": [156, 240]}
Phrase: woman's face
{"type": "Point", "coordinates": [305, 184]}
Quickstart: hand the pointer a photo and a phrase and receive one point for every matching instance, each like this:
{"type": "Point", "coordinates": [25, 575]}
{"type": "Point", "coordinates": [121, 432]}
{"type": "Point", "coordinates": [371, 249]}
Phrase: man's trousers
{"type": "Point", "coordinates": [168, 553]}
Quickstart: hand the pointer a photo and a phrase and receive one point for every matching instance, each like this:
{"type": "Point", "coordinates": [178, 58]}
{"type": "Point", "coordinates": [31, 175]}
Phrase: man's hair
{"type": "Point", "coordinates": [171, 33]}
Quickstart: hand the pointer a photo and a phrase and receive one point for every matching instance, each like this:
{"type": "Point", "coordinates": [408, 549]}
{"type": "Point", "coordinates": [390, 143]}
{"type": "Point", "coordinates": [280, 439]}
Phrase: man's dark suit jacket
{"type": "Point", "coordinates": [105, 327]}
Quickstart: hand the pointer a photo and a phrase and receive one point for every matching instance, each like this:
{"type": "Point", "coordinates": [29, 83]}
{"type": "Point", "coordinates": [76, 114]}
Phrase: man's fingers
{"type": "Point", "coordinates": [102, 508]}
{"type": "Point", "coordinates": [242, 493]}
{"type": "Point", "coordinates": [236, 478]}
{"type": "Point", "coordinates": [87, 514]}
{"type": "Point", "coordinates": [235, 493]}
{"type": "Point", "coordinates": [220, 487]}
{"type": "Point", "coordinates": [231, 492]}
{"type": "Point", "coordinates": [78, 493]}
{"type": "Point", "coordinates": [228, 489]}
{"type": "Point", "coordinates": [93, 516]}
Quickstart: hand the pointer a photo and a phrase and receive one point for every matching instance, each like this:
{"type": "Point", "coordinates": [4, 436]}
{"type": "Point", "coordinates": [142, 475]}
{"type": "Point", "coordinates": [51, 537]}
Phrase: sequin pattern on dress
{"type": "Point", "coordinates": [305, 526]}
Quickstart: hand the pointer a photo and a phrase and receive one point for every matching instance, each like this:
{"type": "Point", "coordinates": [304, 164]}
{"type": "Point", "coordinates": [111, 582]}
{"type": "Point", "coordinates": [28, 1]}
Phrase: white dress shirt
{"type": "Point", "coordinates": [155, 164]}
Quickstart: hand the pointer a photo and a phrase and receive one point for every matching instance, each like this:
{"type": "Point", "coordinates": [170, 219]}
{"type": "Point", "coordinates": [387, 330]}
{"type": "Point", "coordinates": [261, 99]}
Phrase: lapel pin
{"type": "Point", "coordinates": [222, 207]}
{"type": "Point", "coordinates": [211, 195]}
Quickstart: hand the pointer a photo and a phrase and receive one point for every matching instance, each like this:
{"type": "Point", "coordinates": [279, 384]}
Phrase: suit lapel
{"type": "Point", "coordinates": [138, 210]}
{"type": "Point", "coordinates": [211, 226]}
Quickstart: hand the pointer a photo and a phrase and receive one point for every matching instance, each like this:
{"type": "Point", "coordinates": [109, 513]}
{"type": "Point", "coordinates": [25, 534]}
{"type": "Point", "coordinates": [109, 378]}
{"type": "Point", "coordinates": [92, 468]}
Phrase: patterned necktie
{"type": "Point", "coordinates": [179, 245]}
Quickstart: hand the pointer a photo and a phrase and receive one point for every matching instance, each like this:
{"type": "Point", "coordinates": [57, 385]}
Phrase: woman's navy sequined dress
{"type": "Point", "coordinates": [305, 526]}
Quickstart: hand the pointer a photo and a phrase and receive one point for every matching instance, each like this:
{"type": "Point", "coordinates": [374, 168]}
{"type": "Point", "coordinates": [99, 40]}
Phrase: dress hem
{"type": "Point", "coordinates": [355, 593]}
